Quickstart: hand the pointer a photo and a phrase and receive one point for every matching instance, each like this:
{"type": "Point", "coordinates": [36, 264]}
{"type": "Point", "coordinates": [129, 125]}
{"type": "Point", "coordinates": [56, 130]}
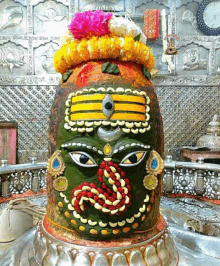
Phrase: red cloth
{"type": "Point", "coordinates": [151, 24]}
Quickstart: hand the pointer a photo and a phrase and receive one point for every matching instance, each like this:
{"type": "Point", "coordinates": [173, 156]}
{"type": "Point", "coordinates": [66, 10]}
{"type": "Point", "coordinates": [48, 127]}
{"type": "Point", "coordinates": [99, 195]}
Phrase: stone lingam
{"type": "Point", "coordinates": [105, 170]}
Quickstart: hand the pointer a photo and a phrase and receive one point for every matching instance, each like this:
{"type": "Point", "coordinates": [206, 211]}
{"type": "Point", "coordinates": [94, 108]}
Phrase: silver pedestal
{"type": "Point", "coordinates": [159, 250]}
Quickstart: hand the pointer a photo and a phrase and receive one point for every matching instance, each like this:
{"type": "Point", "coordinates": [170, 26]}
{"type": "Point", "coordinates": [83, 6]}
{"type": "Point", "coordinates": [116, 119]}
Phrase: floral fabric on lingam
{"type": "Point", "coordinates": [106, 141]}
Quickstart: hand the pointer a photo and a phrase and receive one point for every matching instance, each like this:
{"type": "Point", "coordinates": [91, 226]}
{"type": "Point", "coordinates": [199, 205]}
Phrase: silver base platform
{"type": "Point", "coordinates": [195, 249]}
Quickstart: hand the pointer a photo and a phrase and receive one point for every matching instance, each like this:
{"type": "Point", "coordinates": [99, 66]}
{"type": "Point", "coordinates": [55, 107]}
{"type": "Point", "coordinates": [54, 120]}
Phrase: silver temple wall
{"type": "Point", "coordinates": [29, 34]}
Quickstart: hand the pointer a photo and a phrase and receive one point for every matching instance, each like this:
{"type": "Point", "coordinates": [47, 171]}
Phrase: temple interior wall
{"type": "Point", "coordinates": [188, 91]}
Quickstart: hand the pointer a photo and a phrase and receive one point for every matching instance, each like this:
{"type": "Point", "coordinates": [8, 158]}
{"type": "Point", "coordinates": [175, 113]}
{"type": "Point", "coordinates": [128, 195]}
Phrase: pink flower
{"type": "Point", "coordinates": [89, 23]}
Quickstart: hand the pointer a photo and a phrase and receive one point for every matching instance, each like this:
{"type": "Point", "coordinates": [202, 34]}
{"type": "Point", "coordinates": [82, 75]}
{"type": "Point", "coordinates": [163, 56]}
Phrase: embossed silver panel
{"type": "Point", "coordinates": [13, 17]}
{"type": "Point", "coordinates": [50, 18]}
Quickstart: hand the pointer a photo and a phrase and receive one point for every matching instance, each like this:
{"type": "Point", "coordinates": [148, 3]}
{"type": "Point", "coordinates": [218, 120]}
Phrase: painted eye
{"type": "Point", "coordinates": [133, 158]}
{"type": "Point", "coordinates": [82, 159]}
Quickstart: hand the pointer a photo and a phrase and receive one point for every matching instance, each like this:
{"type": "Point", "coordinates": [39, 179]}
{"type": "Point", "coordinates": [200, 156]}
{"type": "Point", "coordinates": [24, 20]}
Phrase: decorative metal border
{"type": "Point", "coordinates": [200, 20]}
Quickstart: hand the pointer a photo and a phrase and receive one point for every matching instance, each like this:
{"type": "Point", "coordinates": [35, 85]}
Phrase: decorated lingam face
{"type": "Point", "coordinates": [106, 138]}
{"type": "Point", "coordinates": [106, 165]}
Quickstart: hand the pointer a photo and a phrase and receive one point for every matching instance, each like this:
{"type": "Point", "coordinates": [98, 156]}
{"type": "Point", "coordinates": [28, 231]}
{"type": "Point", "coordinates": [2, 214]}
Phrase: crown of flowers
{"type": "Point", "coordinates": [98, 35]}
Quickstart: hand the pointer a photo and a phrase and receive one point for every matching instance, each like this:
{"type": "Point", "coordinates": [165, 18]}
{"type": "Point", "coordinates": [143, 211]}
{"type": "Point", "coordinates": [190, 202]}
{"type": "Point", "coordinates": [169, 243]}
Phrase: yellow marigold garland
{"type": "Point", "coordinates": [94, 48]}
{"type": "Point", "coordinates": [104, 45]}
{"type": "Point", "coordinates": [125, 49]}
{"type": "Point", "coordinates": [115, 47]}
{"type": "Point", "coordinates": [83, 50]}
{"type": "Point", "coordinates": [128, 49]}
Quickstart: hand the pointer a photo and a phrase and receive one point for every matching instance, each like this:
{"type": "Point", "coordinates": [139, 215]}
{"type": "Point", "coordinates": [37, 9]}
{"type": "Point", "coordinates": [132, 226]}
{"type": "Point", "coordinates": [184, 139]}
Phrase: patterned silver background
{"type": "Point", "coordinates": [29, 34]}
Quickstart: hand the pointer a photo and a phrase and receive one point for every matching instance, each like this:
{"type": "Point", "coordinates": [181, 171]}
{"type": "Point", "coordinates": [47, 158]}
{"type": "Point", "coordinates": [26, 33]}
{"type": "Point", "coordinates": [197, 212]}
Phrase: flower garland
{"type": "Point", "coordinates": [98, 35]}
{"type": "Point", "coordinates": [104, 47]}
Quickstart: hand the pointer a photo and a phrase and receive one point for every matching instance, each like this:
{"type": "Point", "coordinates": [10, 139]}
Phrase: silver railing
{"type": "Point", "coordinates": [201, 179]}
{"type": "Point", "coordinates": [20, 177]}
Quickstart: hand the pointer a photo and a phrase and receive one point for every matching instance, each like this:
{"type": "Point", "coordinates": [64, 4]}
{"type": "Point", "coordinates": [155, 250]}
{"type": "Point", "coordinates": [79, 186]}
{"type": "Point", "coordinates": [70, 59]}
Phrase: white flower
{"type": "Point", "coordinates": [68, 37]}
{"type": "Point", "coordinates": [122, 27]}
